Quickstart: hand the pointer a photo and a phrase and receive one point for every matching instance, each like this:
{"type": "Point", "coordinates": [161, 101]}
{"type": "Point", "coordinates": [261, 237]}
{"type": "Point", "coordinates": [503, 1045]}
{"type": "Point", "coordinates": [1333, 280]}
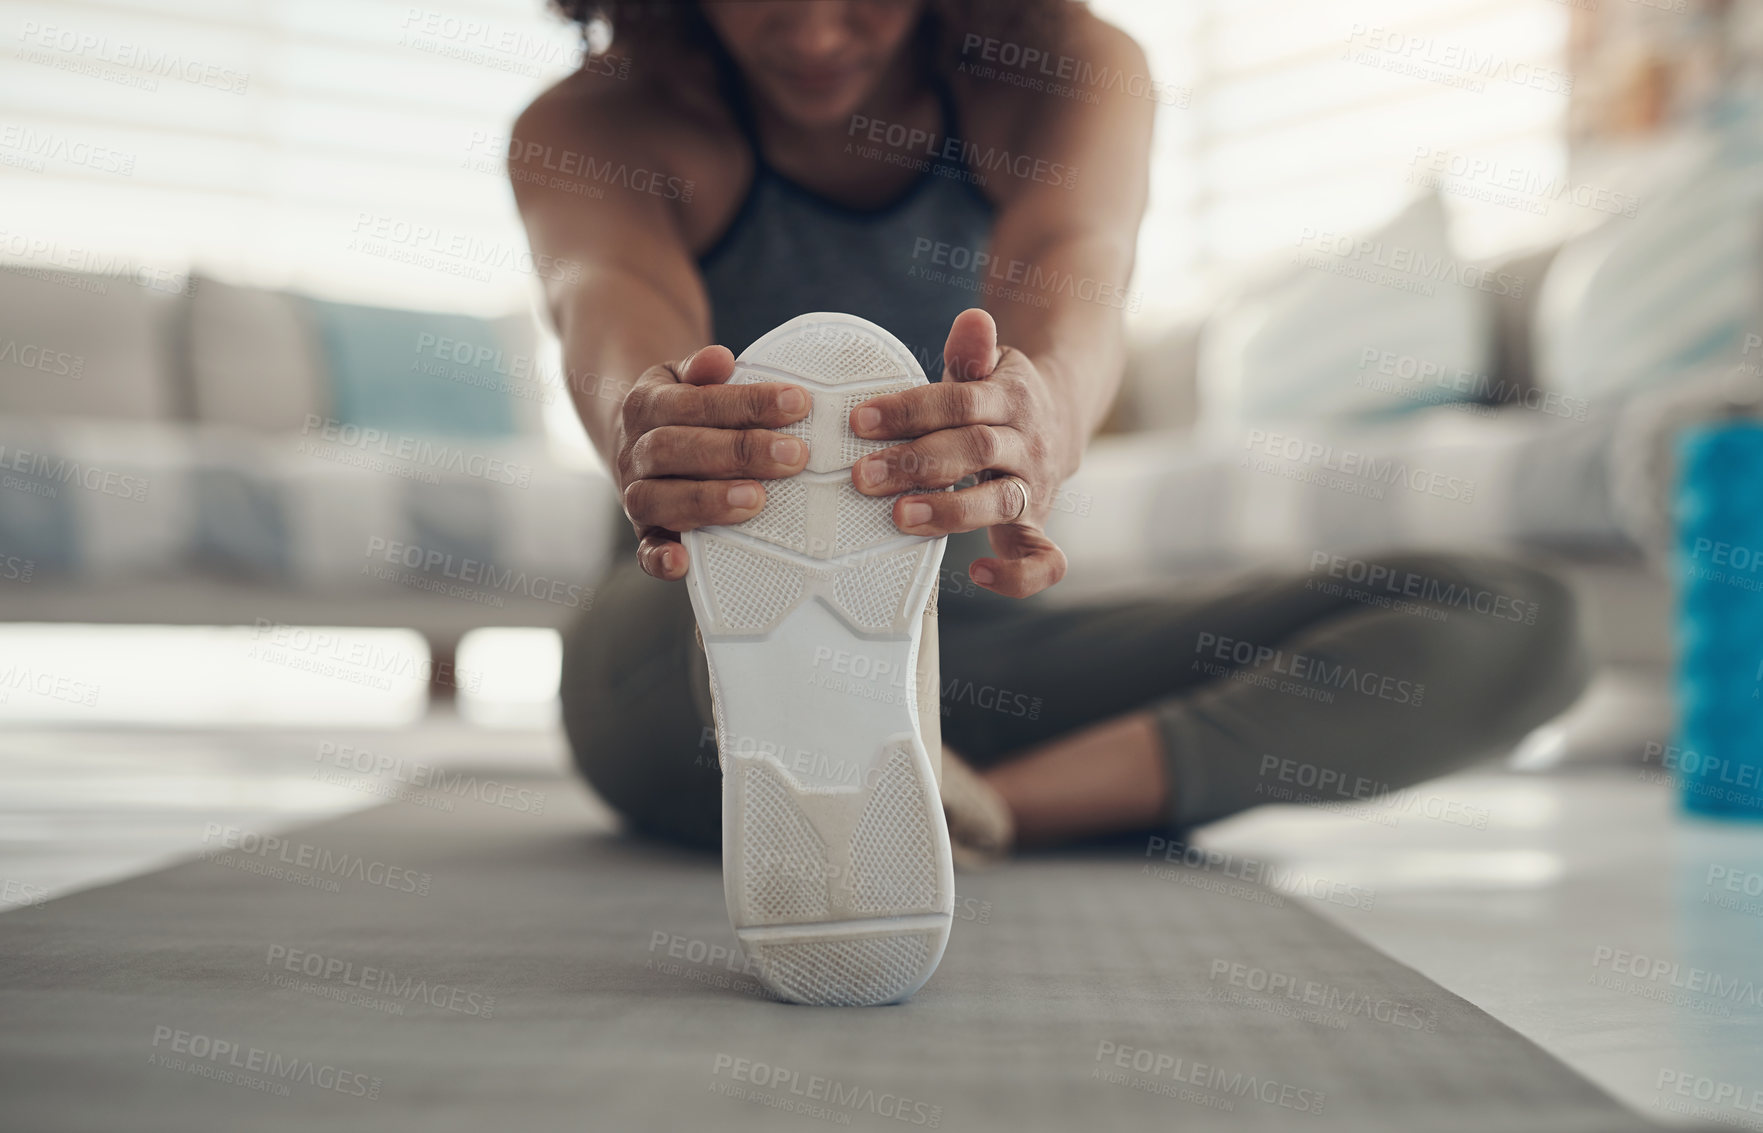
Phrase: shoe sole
{"type": "Point", "coordinates": [836, 863]}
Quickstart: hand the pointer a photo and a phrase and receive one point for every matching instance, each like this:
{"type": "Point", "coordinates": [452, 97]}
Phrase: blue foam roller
{"type": "Point", "coordinates": [1719, 518]}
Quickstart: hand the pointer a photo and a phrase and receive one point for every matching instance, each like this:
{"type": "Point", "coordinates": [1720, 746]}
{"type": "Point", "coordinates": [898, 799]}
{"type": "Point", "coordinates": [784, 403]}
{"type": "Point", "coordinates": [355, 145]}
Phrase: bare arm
{"type": "Point", "coordinates": [1024, 412]}
{"type": "Point", "coordinates": [637, 298]}
{"type": "Point", "coordinates": [1074, 247]}
{"type": "Point", "coordinates": [684, 449]}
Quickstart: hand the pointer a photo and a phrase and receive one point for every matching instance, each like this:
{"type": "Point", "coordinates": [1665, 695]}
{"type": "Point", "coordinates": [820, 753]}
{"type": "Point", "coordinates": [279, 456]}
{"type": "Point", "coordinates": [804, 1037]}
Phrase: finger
{"type": "Point", "coordinates": [971, 351]}
{"type": "Point", "coordinates": [663, 556]}
{"type": "Point", "coordinates": [948, 513]}
{"type": "Point", "coordinates": [762, 405]}
{"type": "Point", "coordinates": [716, 454]}
{"type": "Point", "coordinates": [1027, 562]}
{"type": "Point", "coordinates": [938, 460]}
{"type": "Point", "coordinates": [685, 505]}
{"type": "Point", "coordinates": [711, 365]}
{"type": "Point", "coordinates": [925, 409]}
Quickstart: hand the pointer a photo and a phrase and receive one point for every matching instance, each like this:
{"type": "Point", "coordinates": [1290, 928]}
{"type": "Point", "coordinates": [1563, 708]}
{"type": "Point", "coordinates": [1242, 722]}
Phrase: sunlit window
{"type": "Point", "coordinates": [354, 147]}
{"type": "Point", "coordinates": [1328, 115]}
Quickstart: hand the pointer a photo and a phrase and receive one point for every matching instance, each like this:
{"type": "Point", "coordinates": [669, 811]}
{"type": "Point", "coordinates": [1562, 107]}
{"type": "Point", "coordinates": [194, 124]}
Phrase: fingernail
{"type": "Point", "coordinates": [868, 420]}
{"type": "Point", "coordinates": [871, 473]}
{"type": "Point", "coordinates": [743, 496]}
{"type": "Point", "coordinates": [913, 514]}
{"type": "Point", "coordinates": [667, 560]}
{"type": "Point", "coordinates": [981, 575]}
{"type": "Point", "coordinates": [787, 450]}
{"type": "Point", "coordinates": [792, 400]}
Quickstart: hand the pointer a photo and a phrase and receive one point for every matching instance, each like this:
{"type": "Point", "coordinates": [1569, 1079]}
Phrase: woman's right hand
{"type": "Point", "coordinates": [692, 450]}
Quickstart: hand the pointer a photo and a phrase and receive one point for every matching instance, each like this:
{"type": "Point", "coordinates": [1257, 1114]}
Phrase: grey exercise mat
{"type": "Point", "coordinates": [492, 968]}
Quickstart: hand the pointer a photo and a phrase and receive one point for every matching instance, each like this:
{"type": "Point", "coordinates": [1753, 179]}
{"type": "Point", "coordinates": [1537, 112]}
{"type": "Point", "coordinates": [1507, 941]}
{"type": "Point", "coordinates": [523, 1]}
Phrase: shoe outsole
{"type": "Point", "coordinates": [836, 861]}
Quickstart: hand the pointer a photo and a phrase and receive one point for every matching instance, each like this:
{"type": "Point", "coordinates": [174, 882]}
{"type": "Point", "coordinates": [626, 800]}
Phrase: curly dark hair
{"type": "Point", "coordinates": [656, 29]}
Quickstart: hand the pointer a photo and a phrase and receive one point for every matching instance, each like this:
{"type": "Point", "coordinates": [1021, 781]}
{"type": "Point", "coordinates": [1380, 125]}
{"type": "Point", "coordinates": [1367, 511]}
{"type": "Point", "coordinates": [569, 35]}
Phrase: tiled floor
{"type": "Point", "coordinates": [82, 808]}
{"type": "Point", "coordinates": [1577, 908]}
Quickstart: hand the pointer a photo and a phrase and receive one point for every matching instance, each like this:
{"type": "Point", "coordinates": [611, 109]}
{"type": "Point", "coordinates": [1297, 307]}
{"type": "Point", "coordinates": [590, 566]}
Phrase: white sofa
{"type": "Point", "coordinates": [170, 453]}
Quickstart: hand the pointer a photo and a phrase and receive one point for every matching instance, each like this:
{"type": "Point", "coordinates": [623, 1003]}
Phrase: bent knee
{"type": "Point", "coordinates": [634, 726]}
{"type": "Point", "coordinates": [1518, 626]}
{"type": "Point", "coordinates": [649, 758]}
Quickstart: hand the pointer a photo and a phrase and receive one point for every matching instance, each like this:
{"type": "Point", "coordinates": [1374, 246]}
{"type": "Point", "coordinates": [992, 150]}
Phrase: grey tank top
{"type": "Point", "coordinates": [903, 266]}
{"type": "Point", "coordinates": [790, 250]}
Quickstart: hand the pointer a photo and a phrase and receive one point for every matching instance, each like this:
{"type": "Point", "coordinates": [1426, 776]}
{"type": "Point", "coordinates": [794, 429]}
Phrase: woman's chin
{"type": "Point", "coordinates": [817, 106]}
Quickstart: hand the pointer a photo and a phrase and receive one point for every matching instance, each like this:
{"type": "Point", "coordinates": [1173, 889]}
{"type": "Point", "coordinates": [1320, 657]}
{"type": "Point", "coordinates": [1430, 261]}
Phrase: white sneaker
{"type": "Point", "coordinates": [835, 855]}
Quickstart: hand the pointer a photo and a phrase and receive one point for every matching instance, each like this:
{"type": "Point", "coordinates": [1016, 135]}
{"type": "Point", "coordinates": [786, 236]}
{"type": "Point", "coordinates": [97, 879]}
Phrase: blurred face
{"type": "Point", "coordinates": [813, 61]}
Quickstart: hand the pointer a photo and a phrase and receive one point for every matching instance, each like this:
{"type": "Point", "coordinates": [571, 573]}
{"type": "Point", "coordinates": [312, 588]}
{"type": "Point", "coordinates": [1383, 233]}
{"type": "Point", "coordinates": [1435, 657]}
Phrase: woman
{"type": "Point", "coordinates": [772, 157]}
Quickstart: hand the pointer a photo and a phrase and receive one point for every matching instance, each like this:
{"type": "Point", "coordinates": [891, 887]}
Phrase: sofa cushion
{"type": "Point", "coordinates": [1159, 388]}
{"type": "Point", "coordinates": [1448, 478]}
{"type": "Point", "coordinates": [1665, 297]}
{"type": "Point", "coordinates": [254, 361]}
{"type": "Point", "coordinates": [78, 345]}
{"type": "Point", "coordinates": [106, 502]}
{"type": "Point", "coordinates": [1514, 311]}
{"type": "Point", "coordinates": [1367, 326]}
{"type": "Point", "coordinates": [418, 372]}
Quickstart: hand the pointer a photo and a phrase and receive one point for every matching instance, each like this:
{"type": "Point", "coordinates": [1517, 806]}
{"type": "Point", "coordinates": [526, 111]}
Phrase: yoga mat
{"type": "Point", "coordinates": [497, 958]}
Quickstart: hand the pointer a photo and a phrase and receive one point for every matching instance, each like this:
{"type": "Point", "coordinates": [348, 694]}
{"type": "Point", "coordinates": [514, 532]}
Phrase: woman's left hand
{"type": "Point", "coordinates": [994, 415]}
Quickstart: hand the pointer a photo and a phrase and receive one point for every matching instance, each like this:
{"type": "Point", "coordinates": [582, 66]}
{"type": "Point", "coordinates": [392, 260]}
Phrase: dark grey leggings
{"type": "Point", "coordinates": [1354, 679]}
